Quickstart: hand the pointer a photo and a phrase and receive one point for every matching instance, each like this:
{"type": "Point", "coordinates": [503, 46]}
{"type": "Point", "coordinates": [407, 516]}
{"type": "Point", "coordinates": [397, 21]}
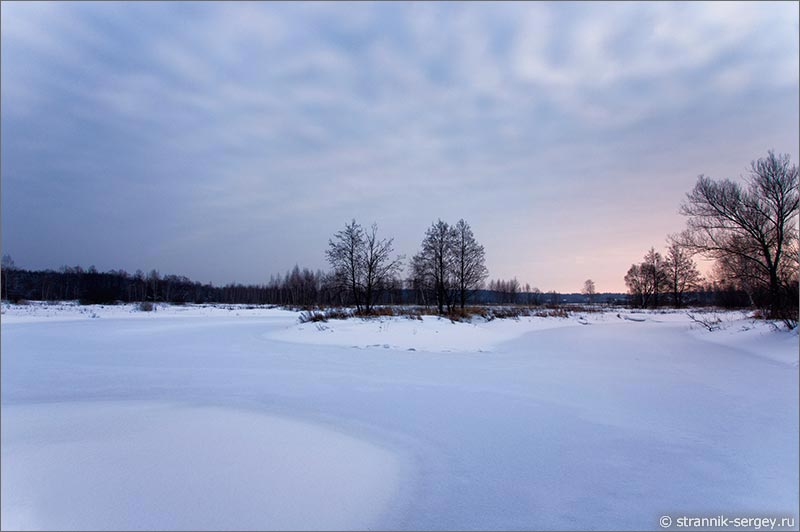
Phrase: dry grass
{"type": "Point", "coordinates": [314, 316]}
{"type": "Point", "coordinates": [552, 313]}
{"type": "Point", "coordinates": [513, 312]}
{"type": "Point", "coordinates": [466, 314]}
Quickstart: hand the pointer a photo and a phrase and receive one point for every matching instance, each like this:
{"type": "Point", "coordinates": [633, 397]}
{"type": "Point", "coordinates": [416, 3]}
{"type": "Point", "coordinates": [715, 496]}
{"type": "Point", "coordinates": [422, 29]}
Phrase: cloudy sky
{"type": "Point", "coordinates": [228, 141]}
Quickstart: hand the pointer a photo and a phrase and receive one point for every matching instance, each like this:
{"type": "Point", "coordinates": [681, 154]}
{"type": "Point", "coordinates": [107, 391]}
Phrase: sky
{"type": "Point", "coordinates": [228, 141]}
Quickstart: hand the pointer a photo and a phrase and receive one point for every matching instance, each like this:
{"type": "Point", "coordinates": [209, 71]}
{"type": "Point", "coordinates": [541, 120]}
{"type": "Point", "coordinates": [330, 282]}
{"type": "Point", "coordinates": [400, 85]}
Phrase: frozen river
{"type": "Point", "coordinates": [206, 418]}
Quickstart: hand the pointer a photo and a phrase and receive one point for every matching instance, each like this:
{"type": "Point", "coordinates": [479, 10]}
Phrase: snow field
{"type": "Point", "coordinates": [200, 418]}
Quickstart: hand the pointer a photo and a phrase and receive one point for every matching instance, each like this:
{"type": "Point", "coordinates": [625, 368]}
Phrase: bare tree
{"type": "Point", "coordinates": [750, 228]}
{"type": "Point", "coordinates": [589, 290]}
{"type": "Point", "coordinates": [646, 280]}
{"type": "Point", "coordinates": [153, 278]}
{"type": "Point", "coordinates": [639, 284]}
{"type": "Point", "coordinates": [653, 266]}
{"type": "Point", "coordinates": [535, 296]}
{"type": "Point", "coordinates": [681, 272]}
{"type": "Point", "coordinates": [554, 298]}
{"type": "Point", "coordinates": [346, 255]}
{"type": "Point", "coordinates": [506, 290]}
{"type": "Point", "coordinates": [141, 284]}
{"type": "Point", "coordinates": [434, 264]}
{"type": "Point", "coordinates": [379, 266]}
{"type": "Point", "coordinates": [469, 262]}
{"type": "Point", "coordinates": [7, 265]}
{"type": "Point", "coordinates": [513, 289]}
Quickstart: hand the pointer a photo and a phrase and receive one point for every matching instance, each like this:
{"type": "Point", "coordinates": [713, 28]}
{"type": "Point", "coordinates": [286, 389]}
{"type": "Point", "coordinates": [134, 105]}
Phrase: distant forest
{"type": "Point", "coordinates": [749, 229]}
{"type": "Point", "coordinates": [298, 287]}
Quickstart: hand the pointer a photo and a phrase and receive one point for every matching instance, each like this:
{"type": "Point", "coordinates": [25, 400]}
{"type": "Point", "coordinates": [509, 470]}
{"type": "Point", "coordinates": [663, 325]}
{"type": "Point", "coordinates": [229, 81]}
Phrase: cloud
{"type": "Point", "coordinates": [677, 52]}
{"type": "Point", "coordinates": [224, 121]}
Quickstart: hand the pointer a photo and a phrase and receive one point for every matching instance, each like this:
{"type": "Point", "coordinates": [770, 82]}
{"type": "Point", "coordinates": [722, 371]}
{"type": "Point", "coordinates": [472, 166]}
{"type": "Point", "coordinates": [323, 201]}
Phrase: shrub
{"type": "Point", "coordinates": [145, 306]}
{"type": "Point", "coordinates": [509, 312]}
{"type": "Point", "coordinates": [314, 316]}
{"type": "Point", "coordinates": [788, 316]}
{"type": "Point", "coordinates": [711, 323]}
{"type": "Point", "coordinates": [338, 314]}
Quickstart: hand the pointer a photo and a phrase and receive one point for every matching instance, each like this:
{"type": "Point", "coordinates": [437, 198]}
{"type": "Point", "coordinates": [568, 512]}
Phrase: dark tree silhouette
{"type": "Point", "coordinates": [750, 228]}
{"type": "Point", "coordinates": [346, 257]}
{"type": "Point", "coordinates": [379, 268]}
{"type": "Point", "coordinates": [7, 266]}
{"type": "Point", "coordinates": [469, 262]}
{"type": "Point", "coordinates": [681, 273]}
{"type": "Point", "coordinates": [433, 265]}
{"type": "Point", "coordinates": [646, 280]}
{"type": "Point", "coordinates": [589, 290]}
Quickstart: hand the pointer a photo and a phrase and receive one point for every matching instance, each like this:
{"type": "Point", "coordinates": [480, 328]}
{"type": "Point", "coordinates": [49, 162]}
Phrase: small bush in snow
{"type": "Point", "coordinates": [312, 317]}
{"type": "Point", "coordinates": [145, 306]}
{"type": "Point", "coordinates": [711, 323]}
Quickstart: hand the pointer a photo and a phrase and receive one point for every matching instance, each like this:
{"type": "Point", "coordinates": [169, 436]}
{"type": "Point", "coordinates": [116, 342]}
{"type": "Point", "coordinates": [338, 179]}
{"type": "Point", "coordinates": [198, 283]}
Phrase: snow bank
{"type": "Point", "coordinates": [432, 333]}
{"type": "Point", "coordinates": [767, 340]}
{"type": "Point", "coordinates": [39, 311]}
{"type": "Point", "coordinates": [143, 465]}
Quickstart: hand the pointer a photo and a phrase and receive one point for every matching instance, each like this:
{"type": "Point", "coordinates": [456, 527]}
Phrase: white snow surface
{"type": "Point", "coordinates": [229, 417]}
{"type": "Point", "coordinates": [431, 333]}
{"type": "Point", "coordinates": [126, 464]}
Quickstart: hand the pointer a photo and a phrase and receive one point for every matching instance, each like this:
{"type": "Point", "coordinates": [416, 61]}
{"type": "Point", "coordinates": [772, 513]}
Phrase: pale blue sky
{"type": "Point", "coordinates": [227, 141]}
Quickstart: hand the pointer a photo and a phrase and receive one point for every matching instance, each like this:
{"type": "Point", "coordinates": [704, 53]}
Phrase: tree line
{"type": "Point", "coordinates": [447, 273]}
{"type": "Point", "coordinates": [749, 229]}
{"type": "Point", "coordinates": [300, 287]}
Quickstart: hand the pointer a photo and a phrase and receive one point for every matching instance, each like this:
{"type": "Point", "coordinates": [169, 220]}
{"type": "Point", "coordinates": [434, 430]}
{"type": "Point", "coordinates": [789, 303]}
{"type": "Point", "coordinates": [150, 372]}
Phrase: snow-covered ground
{"type": "Point", "coordinates": [228, 417]}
